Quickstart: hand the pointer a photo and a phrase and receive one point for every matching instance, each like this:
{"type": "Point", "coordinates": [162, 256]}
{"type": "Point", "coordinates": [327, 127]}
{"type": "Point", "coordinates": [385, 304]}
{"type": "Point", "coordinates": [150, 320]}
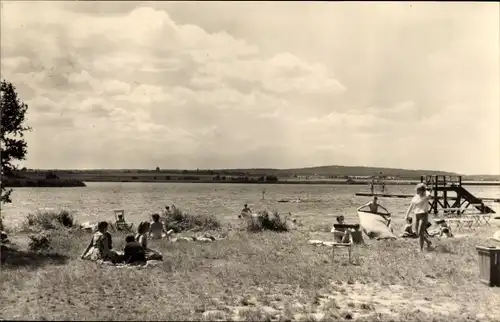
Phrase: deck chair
{"type": "Point", "coordinates": [356, 233]}
{"type": "Point", "coordinates": [347, 244]}
{"type": "Point", "coordinates": [120, 222]}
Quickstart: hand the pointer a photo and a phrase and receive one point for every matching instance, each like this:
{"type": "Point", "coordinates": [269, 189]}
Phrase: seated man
{"type": "Point", "coordinates": [133, 253]}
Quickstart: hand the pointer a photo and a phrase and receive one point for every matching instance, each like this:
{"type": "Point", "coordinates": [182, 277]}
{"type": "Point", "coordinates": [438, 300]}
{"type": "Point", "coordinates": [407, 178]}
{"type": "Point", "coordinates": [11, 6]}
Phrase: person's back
{"type": "Point", "coordinates": [156, 229]}
{"type": "Point", "coordinates": [133, 251]}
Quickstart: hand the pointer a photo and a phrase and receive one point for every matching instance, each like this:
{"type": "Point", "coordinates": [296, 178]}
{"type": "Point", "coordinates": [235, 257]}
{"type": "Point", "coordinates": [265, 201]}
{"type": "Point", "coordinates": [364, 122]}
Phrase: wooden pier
{"type": "Point", "coordinates": [447, 195]}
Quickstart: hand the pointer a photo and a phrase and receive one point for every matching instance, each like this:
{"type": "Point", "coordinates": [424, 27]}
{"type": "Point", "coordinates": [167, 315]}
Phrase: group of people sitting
{"type": "Point", "coordinates": [136, 250]}
{"type": "Point", "coordinates": [443, 230]}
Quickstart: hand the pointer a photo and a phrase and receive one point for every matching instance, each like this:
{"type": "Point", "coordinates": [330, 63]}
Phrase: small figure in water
{"type": "Point", "coordinates": [245, 211]}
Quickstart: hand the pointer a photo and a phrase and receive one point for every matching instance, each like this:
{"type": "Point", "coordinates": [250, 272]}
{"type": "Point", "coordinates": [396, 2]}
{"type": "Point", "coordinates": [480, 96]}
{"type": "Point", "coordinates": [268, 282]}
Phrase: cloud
{"type": "Point", "coordinates": [179, 89]}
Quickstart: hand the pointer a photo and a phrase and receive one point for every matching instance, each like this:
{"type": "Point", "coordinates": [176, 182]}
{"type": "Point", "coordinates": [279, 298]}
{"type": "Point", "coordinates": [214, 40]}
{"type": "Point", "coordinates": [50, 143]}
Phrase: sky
{"type": "Point", "coordinates": [256, 84]}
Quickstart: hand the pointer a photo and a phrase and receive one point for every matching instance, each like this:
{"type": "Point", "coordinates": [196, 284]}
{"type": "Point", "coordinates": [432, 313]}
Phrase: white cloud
{"type": "Point", "coordinates": [384, 85]}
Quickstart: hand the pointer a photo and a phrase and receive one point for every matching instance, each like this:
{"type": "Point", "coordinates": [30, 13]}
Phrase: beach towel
{"type": "Point", "coordinates": [321, 242]}
{"type": "Point", "coordinates": [149, 263]}
{"type": "Point", "coordinates": [204, 238]}
{"type": "Point", "coordinates": [375, 225]}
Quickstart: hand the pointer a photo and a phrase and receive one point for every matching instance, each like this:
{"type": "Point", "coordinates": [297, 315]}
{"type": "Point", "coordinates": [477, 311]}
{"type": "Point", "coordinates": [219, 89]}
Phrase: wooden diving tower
{"type": "Point", "coordinates": [448, 195]}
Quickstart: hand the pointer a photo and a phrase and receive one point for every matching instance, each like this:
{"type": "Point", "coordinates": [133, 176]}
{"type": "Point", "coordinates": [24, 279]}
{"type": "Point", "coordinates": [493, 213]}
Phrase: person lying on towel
{"type": "Point", "coordinates": [442, 231]}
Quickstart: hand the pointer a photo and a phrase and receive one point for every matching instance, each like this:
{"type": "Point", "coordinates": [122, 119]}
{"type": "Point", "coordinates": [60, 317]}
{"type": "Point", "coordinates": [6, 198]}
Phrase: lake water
{"type": "Point", "coordinates": [98, 200]}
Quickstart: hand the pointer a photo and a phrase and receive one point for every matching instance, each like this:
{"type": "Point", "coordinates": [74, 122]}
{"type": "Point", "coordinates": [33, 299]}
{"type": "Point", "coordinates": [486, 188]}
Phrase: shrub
{"type": "Point", "coordinates": [49, 220]}
{"type": "Point", "coordinates": [180, 221]}
{"type": "Point", "coordinates": [265, 221]}
{"type": "Point", "coordinates": [40, 242]}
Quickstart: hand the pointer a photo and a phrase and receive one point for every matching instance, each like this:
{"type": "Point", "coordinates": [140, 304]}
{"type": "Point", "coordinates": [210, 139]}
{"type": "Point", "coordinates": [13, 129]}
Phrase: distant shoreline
{"type": "Point", "coordinates": [301, 182]}
{"type": "Point", "coordinates": [43, 183]}
{"type": "Point", "coordinates": [66, 179]}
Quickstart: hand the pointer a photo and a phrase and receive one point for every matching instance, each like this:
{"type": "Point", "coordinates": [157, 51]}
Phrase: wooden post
{"type": "Point", "coordinates": [445, 194]}
{"type": "Point", "coordinates": [435, 201]}
{"type": "Point", "coordinates": [263, 194]}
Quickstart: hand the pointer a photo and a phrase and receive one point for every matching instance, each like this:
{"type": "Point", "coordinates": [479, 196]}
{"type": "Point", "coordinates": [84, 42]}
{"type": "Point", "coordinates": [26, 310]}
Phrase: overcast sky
{"type": "Point", "coordinates": [242, 84]}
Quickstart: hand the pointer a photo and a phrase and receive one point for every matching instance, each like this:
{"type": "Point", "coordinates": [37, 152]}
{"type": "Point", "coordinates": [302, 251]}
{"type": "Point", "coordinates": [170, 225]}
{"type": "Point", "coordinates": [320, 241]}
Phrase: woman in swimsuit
{"type": "Point", "coordinates": [420, 207]}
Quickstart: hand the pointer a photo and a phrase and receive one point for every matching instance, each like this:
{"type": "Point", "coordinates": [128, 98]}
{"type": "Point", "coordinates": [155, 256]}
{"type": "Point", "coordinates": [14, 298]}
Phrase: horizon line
{"type": "Point", "coordinates": [259, 168]}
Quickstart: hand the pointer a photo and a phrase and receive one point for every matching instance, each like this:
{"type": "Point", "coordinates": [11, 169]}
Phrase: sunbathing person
{"type": "Point", "coordinates": [142, 238]}
{"type": "Point", "coordinates": [443, 230]}
{"type": "Point", "coordinates": [99, 246]}
{"type": "Point", "coordinates": [157, 228]}
{"type": "Point", "coordinates": [133, 253]}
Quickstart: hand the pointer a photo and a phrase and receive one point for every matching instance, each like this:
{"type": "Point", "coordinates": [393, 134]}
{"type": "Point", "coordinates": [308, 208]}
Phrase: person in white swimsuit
{"type": "Point", "coordinates": [420, 207]}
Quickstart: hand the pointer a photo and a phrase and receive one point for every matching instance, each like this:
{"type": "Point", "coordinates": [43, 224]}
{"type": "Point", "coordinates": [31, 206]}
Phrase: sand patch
{"type": "Point", "coordinates": [355, 301]}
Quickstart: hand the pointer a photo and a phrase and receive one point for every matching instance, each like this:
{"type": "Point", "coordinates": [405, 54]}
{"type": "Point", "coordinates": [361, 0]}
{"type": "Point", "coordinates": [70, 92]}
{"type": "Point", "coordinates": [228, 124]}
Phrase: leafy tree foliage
{"type": "Point", "coordinates": [13, 146]}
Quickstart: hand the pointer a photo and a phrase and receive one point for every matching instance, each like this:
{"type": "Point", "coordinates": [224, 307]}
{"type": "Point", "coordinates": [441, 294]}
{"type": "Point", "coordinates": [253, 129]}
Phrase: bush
{"type": "Point", "coordinates": [180, 221]}
{"type": "Point", "coordinates": [40, 242]}
{"type": "Point", "coordinates": [49, 220]}
{"type": "Point", "coordinates": [264, 221]}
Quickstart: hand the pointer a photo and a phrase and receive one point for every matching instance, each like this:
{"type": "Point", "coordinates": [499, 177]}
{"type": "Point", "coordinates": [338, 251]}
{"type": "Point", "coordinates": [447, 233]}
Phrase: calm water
{"type": "Point", "coordinates": [98, 200]}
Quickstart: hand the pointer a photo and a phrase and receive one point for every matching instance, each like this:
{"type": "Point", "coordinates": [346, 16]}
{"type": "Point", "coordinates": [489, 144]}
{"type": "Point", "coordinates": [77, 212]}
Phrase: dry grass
{"type": "Point", "coordinates": [266, 276]}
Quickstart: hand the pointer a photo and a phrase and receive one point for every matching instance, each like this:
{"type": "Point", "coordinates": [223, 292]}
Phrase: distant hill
{"type": "Point", "coordinates": [322, 171]}
{"type": "Point", "coordinates": [337, 170]}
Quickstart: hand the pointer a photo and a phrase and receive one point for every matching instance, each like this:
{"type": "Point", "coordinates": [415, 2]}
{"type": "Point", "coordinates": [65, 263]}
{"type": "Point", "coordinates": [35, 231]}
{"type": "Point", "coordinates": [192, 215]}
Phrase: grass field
{"type": "Point", "coordinates": [253, 276]}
